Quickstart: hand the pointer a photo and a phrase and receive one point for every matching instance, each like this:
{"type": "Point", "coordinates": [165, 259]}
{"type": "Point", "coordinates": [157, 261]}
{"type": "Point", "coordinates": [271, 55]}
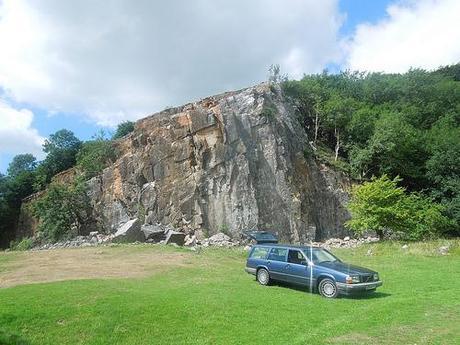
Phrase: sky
{"type": "Point", "coordinates": [87, 65]}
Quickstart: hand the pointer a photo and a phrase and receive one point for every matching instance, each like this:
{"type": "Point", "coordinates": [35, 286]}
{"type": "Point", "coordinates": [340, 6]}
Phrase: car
{"type": "Point", "coordinates": [261, 237]}
{"type": "Point", "coordinates": [309, 266]}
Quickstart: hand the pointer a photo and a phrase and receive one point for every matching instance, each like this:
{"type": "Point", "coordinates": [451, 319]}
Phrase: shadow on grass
{"type": "Point", "coordinates": [355, 296]}
{"type": "Point", "coordinates": [11, 339]}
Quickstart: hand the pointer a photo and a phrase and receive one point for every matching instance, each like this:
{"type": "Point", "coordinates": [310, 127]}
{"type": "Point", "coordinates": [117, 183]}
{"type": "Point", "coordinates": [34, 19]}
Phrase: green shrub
{"type": "Point", "coordinates": [24, 244]}
{"type": "Point", "coordinates": [94, 156]}
{"type": "Point", "coordinates": [381, 205]}
{"type": "Point", "coordinates": [62, 210]}
{"type": "Point", "coordinates": [268, 112]}
{"type": "Point", "coordinates": [123, 129]}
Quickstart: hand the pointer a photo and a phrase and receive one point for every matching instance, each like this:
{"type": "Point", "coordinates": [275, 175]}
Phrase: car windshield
{"type": "Point", "coordinates": [262, 236]}
{"type": "Point", "coordinates": [318, 255]}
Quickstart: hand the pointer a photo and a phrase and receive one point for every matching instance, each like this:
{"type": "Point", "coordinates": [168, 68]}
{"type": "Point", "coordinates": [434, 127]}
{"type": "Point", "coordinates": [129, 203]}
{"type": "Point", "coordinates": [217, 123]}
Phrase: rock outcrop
{"type": "Point", "coordinates": [235, 161]}
{"type": "Point", "coordinates": [229, 163]}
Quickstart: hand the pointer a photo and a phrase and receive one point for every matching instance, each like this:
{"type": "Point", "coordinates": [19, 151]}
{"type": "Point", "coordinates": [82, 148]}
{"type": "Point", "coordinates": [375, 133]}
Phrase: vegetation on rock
{"type": "Point", "coordinates": [61, 211]}
{"type": "Point", "coordinates": [405, 125]}
{"type": "Point", "coordinates": [123, 129]}
{"type": "Point", "coordinates": [95, 155]}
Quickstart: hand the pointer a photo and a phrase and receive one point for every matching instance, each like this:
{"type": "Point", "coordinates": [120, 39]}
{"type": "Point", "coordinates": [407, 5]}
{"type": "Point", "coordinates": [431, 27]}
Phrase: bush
{"type": "Point", "coordinates": [94, 156]}
{"type": "Point", "coordinates": [24, 244]}
{"type": "Point", "coordinates": [381, 205]}
{"type": "Point", "coordinates": [123, 129]}
{"type": "Point", "coordinates": [61, 211]}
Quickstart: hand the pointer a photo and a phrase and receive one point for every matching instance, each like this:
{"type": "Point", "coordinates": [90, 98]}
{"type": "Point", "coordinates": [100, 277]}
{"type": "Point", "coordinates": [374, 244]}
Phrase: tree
{"type": "Point", "coordinates": [123, 129]}
{"type": "Point", "coordinates": [338, 111]}
{"type": "Point", "coordinates": [374, 205]}
{"type": "Point", "coordinates": [381, 205]}
{"type": "Point", "coordinates": [22, 163]}
{"type": "Point", "coordinates": [443, 166]}
{"type": "Point", "coordinates": [95, 155]}
{"type": "Point", "coordinates": [62, 148]}
{"type": "Point", "coordinates": [12, 191]}
{"type": "Point", "coordinates": [62, 210]}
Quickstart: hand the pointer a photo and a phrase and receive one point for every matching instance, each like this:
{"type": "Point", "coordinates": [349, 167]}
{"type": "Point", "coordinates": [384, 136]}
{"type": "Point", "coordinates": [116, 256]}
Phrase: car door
{"type": "Point", "coordinates": [276, 261]}
{"type": "Point", "coordinates": [296, 268]}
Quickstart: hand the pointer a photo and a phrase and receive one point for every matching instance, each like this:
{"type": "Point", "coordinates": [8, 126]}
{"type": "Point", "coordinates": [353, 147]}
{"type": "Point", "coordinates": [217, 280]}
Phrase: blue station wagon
{"type": "Point", "coordinates": [310, 266]}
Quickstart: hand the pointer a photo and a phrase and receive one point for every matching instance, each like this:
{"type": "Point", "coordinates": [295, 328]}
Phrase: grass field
{"type": "Point", "coordinates": [161, 295]}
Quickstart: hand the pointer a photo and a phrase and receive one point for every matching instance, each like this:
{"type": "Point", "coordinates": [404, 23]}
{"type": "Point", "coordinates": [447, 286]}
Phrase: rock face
{"type": "Point", "coordinates": [234, 162]}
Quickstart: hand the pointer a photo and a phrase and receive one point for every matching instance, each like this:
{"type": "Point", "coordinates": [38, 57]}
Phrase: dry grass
{"type": "Point", "coordinates": [86, 263]}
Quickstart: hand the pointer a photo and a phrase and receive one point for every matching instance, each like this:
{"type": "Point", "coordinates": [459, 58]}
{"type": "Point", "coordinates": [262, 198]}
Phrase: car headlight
{"type": "Point", "coordinates": [352, 279]}
{"type": "Point", "coordinates": [376, 276]}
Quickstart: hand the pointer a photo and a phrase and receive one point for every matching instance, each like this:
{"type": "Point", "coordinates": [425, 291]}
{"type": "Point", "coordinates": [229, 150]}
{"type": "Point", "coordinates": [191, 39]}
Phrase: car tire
{"type": "Point", "coordinates": [327, 288]}
{"type": "Point", "coordinates": [263, 277]}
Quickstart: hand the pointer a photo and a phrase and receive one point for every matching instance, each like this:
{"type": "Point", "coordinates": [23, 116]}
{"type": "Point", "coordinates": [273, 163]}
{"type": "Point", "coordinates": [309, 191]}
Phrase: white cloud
{"type": "Point", "coordinates": [16, 132]}
{"type": "Point", "coordinates": [424, 33]}
{"type": "Point", "coordinates": [121, 59]}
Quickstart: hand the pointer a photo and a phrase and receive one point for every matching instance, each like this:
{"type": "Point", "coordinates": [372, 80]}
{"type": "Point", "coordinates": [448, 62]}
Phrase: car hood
{"type": "Point", "coordinates": [346, 268]}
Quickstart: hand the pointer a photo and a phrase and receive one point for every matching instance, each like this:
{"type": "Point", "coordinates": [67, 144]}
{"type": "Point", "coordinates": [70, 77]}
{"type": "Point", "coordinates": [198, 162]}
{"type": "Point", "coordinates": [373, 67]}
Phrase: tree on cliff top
{"type": "Point", "coordinates": [123, 129]}
{"type": "Point", "coordinates": [22, 163]}
{"type": "Point", "coordinates": [62, 148]}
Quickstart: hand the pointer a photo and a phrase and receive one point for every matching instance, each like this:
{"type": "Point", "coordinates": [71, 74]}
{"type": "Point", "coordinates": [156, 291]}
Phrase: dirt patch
{"type": "Point", "coordinates": [87, 263]}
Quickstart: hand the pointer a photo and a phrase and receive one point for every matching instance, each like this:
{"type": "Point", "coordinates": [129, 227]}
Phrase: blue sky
{"type": "Point", "coordinates": [85, 66]}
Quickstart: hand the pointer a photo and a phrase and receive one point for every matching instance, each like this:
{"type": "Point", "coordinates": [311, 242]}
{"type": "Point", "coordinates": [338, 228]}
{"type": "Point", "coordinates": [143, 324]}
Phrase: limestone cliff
{"type": "Point", "coordinates": [231, 162]}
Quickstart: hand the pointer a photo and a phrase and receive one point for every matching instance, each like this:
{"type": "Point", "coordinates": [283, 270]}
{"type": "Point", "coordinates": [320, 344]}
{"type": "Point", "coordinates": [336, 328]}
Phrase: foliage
{"type": "Point", "coordinates": [123, 129]}
{"type": "Point", "coordinates": [61, 148]}
{"type": "Point", "coordinates": [268, 112]}
{"type": "Point", "coordinates": [405, 125]}
{"type": "Point", "coordinates": [12, 190]}
{"type": "Point", "coordinates": [61, 211]}
{"type": "Point", "coordinates": [94, 156]}
{"type": "Point", "coordinates": [24, 244]}
{"type": "Point", "coordinates": [22, 163]}
{"type": "Point", "coordinates": [381, 205]}
{"type": "Point", "coordinates": [274, 74]}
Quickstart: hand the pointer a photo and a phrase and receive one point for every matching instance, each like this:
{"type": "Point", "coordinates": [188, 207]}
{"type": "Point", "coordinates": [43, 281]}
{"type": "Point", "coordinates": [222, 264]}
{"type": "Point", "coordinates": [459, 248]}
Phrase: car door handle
{"type": "Point", "coordinates": [268, 262]}
{"type": "Point", "coordinates": [287, 266]}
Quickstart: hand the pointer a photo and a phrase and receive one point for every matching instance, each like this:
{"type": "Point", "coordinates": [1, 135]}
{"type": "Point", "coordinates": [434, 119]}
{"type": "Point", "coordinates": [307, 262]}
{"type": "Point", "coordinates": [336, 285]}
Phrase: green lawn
{"type": "Point", "coordinates": [211, 300]}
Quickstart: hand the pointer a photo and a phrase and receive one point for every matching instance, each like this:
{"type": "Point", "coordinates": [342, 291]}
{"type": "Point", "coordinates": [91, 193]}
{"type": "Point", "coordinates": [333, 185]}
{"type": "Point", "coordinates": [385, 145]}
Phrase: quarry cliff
{"type": "Point", "coordinates": [228, 163]}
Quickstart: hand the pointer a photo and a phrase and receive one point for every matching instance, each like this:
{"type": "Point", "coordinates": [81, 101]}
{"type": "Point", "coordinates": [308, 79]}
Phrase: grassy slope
{"type": "Point", "coordinates": [217, 303]}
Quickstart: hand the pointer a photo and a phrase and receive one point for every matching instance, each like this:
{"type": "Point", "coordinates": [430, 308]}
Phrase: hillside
{"type": "Point", "coordinates": [278, 156]}
{"type": "Point", "coordinates": [231, 162]}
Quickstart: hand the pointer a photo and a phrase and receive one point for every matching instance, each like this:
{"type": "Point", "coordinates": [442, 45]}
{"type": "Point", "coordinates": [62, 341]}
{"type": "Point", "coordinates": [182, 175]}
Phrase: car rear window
{"type": "Point", "coordinates": [278, 254]}
{"type": "Point", "coordinates": [259, 253]}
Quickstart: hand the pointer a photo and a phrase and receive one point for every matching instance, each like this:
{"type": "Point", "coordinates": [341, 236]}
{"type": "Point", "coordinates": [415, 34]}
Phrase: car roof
{"type": "Point", "coordinates": [281, 245]}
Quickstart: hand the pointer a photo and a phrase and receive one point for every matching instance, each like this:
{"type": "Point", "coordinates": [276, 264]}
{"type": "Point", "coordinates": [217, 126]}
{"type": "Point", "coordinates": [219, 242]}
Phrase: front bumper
{"type": "Point", "coordinates": [251, 270]}
{"type": "Point", "coordinates": [359, 287]}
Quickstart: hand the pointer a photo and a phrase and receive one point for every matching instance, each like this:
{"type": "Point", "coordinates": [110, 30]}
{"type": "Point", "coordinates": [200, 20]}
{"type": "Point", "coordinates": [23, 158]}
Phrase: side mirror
{"type": "Point", "coordinates": [303, 262]}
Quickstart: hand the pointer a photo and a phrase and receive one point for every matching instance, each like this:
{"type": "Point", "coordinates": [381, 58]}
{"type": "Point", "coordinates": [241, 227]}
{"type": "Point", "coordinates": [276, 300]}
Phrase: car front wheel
{"type": "Point", "coordinates": [263, 277]}
{"type": "Point", "coordinates": [327, 288]}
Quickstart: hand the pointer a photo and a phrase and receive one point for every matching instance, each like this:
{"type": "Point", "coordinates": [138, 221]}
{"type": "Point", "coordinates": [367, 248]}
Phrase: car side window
{"type": "Point", "coordinates": [295, 257]}
{"type": "Point", "coordinates": [278, 254]}
{"type": "Point", "coordinates": [259, 253]}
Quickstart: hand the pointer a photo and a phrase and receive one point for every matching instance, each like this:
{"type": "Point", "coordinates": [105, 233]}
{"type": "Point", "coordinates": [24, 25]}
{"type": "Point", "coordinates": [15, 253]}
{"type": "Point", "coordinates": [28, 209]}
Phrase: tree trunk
{"type": "Point", "coordinates": [316, 126]}
{"type": "Point", "coordinates": [337, 143]}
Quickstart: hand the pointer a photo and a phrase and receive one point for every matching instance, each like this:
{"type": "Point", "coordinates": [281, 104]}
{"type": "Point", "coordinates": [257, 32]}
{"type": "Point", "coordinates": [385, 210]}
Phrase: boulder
{"type": "Point", "coordinates": [129, 232]}
{"type": "Point", "coordinates": [175, 237]}
{"type": "Point", "coordinates": [218, 238]}
{"type": "Point", "coordinates": [153, 232]}
{"type": "Point", "coordinates": [443, 250]}
{"type": "Point", "coordinates": [190, 241]}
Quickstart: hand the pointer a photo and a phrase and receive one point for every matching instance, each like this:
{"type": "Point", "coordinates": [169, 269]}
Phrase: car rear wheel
{"type": "Point", "coordinates": [327, 288]}
{"type": "Point", "coordinates": [263, 277]}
